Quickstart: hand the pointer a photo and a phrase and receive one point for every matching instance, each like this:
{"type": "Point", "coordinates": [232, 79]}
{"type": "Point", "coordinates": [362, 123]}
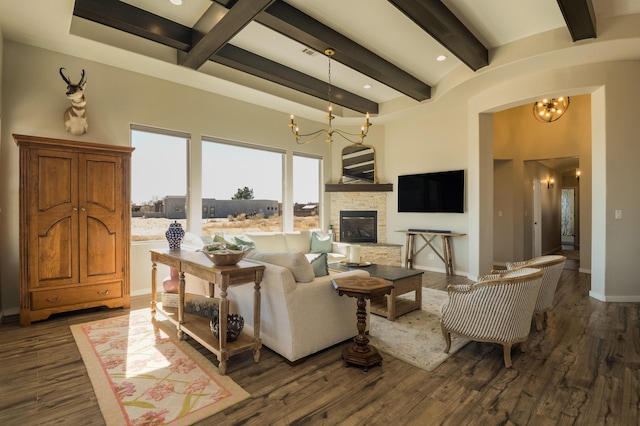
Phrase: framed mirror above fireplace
{"type": "Point", "coordinates": [358, 164]}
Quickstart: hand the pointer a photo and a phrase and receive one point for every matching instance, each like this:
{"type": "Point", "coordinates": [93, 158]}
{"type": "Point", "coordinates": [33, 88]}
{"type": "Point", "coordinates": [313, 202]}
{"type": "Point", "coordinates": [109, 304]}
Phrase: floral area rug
{"type": "Point", "coordinates": [416, 337]}
{"type": "Point", "coordinates": [142, 374]}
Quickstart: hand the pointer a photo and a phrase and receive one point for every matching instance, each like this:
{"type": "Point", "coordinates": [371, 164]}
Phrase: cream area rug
{"type": "Point", "coordinates": [142, 374]}
{"type": "Point", "coordinates": [415, 337]}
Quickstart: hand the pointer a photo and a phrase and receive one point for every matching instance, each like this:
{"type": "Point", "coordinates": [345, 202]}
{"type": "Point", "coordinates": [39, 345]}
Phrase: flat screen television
{"type": "Point", "coordinates": [440, 192]}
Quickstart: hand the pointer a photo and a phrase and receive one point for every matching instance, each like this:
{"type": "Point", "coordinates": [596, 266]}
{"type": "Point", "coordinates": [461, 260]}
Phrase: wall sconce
{"type": "Point", "coordinates": [578, 175]}
{"type": "Point", "coordinates": [550, 183]}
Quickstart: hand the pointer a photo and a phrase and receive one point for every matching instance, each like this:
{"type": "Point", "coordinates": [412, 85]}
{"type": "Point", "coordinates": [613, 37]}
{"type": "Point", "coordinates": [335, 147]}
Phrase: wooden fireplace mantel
{"type": "Point", "coordinates": [358, 187]}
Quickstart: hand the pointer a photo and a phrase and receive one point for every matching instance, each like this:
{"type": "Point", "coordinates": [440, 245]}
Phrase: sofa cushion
{"type": "Point", "coordinates": [296, 262]}
{"type": "Point", "coordinates": [321, 242]}
{"type": "Point", "coordinates": [298, 241]}
{"type": "Point", "coordinates": [319, 265]}
{"type": "Point", "coordinates": [266, 242]}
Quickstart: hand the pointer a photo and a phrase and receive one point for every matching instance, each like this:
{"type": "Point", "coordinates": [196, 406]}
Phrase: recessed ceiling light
{"type": "Point", "coordinates": [441, 58]}
{"type": "Point", "coordinates": [176, 2]}
{"type": "Point", "coordinates": [367, 86]}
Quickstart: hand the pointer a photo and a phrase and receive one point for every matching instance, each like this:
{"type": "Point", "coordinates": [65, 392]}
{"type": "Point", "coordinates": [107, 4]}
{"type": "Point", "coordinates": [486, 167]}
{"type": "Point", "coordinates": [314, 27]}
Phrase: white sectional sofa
{"type": "Point", "coordinates": [297, 318]}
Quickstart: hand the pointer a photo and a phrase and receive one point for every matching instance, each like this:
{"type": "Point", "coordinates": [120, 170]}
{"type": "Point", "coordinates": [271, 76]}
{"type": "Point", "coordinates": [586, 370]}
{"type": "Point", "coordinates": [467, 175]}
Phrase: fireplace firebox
{"type": "Point", "coordinates": [359, 226]}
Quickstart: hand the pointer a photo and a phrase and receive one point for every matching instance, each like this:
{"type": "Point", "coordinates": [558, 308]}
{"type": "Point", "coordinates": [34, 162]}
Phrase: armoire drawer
{"type": "Point", "coordinates": [75, 295]}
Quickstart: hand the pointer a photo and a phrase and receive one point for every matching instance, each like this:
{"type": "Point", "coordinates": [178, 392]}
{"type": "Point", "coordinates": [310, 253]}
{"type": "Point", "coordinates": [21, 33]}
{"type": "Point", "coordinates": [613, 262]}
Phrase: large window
{"type": "Point", "coordinates": [306, 192]}
{"type": "Point", "coordinates": [241, 188]}
{"type": "Point", "coordinates": [158, 182]}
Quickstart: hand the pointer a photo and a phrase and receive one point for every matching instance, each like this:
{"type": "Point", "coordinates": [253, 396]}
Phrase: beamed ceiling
{"type": "Point", "coordinates": [270, 52]}
{"type": "Point", "coordinates": [211, 39]}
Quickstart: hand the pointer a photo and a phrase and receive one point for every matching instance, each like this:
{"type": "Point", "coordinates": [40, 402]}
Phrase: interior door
{"type": "Point", "coordinates": [537, 220]}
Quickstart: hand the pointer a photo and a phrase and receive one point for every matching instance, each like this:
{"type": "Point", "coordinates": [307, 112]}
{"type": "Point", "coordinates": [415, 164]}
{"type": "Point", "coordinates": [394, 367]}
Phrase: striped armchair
{"type": "Point", "coordinates": [552, 266]}
{"type": "Point", "coordinates": [497, 309]}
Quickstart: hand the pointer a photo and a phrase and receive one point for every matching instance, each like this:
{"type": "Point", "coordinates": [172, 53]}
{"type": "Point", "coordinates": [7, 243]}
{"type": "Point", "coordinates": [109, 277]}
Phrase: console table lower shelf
{"type": "Point", "coordinates": [198, 327]}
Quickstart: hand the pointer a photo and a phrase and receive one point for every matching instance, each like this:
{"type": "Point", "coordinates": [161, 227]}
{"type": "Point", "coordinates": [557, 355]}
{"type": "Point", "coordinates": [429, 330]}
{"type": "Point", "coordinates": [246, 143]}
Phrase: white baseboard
{"type": "Point", "coordinates": [11, 311]}
{"type": "Point", "coordinates": [141, 292]}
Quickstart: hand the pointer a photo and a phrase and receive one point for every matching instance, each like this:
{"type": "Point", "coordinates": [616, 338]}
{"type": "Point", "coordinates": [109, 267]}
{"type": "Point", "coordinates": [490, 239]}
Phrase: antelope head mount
{"type": "Point", "coordinates": [75, 117]}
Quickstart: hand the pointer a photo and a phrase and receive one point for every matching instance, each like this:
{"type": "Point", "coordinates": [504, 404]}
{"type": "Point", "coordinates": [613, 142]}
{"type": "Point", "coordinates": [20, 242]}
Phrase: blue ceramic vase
{"type": "Point", "coordinates": [174, 235]}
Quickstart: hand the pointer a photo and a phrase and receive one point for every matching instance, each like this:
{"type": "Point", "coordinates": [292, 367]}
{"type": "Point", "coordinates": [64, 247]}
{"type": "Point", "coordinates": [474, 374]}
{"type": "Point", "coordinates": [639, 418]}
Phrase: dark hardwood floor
{"type": "Point", "coordinates": [583, 369]}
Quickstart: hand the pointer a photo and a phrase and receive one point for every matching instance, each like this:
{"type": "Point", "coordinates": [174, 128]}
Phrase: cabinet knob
{"type": "Point", "coordinates": [52, 300]}
{"type": "Point", "coordinates": [103, 293]}
{"type": "Point", "coordinates": [75, 209]}
{"type": "Point", "coordinates": [83, 209]}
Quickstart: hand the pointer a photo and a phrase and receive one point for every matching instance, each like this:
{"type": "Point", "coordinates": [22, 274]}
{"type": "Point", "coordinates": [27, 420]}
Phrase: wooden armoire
{"type": "Point", "coordinates": [74, 226]}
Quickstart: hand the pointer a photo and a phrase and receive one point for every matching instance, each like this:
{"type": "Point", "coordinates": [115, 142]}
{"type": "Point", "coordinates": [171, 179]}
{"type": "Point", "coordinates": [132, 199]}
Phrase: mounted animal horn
{"type": "Point", "coordinates": [64, 77]}
{"type": "Point", "coordinates": [75, 117]}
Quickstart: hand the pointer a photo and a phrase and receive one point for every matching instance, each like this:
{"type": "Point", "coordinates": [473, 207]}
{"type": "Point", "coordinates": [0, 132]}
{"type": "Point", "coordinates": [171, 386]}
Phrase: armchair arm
{"type": "Point", "coordinates": [513, 265]}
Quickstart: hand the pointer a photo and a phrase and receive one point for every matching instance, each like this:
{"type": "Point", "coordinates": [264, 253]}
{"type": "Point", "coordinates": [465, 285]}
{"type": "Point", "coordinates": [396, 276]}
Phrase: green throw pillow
{"type": "Point", "coordinates": [219, 238]}
{"type": "Point", "coordinates": [321, 243]}
{"type": "Point", "coordinates": [247, 243]}
{"type": "Point", "coordinates": [320, 267]}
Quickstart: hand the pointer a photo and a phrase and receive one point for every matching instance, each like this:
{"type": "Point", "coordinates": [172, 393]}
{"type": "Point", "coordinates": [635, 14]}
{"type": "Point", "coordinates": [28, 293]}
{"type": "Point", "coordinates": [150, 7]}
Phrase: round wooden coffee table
{"type": "Point", "coordinates": [362, 288]}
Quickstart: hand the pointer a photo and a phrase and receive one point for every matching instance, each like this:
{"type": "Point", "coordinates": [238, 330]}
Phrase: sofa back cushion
{"type": "Point", "coordinates": [296, 262]}
{"type": "Point", "coordinates": [298, 241]}
{"type": "Point", "coordinates": [270, 242]}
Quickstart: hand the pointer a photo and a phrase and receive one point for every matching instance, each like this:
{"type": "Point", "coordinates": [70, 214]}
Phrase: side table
{"type": "Point", "coordinates": [362, 288]}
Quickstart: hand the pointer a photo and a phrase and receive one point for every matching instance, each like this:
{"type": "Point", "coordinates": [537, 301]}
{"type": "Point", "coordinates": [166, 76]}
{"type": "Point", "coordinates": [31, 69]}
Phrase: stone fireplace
{"type": "Point", "coordinates": [346, 199]}
{"type": "Point", "coordinates": [359, 226]}
{"type": "Point", "coordinates": [357, 202]}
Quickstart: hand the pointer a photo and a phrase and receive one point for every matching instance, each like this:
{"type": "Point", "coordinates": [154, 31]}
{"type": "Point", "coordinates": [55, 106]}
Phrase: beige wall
{"type": "Point", "coordinates": [504, 206]}
{"type": "Point", "coordinates": [1, 191]}
{"type": "Point", "coordinates": [431, 138]}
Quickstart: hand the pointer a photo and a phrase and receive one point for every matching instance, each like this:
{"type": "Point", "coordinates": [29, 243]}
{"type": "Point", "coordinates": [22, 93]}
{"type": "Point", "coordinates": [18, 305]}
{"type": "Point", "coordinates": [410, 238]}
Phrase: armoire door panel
{"type": "Point", "coordinates": [53, 217]}
{"type": "Point", "coordinates": [55, 185]}
{"type": "Point", "coordinates": [100, 217]}
{"type": "Point", "coordinates": [101, 178]}
{"type": "Point", "coordinates": [55, 261]}
{"type": "Point", "coordinates": [102, 250]}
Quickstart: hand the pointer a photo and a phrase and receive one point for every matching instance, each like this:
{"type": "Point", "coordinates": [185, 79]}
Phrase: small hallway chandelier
{"type": "Point", "coordinates": [354, 138]}
{"type": "Point", "coordinates": [548, 110]}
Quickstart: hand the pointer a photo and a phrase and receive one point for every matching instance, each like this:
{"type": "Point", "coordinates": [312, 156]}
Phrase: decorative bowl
{"type": "Point", "coordinates": [223, 255]}
{"type": "Point", "coordinates": [235, 324]}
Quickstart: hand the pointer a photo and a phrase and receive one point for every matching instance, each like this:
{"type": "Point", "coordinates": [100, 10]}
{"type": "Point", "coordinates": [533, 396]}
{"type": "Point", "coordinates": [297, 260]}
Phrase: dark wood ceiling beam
{"type": "Point", "coordinates": [121, 16]}
{"type": "Point", "coordinates": [437, 20]}
{"type": "Point", "coordinates": [253, 64]}
{"type": "Point", "coordinates": [580, 18]}
{"type": "Point", "coordinates": [298, 26]}
{"type": "Point", "coordinates": [238, 17]}
{"type": "Point", "coordinates": [130, 19]}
